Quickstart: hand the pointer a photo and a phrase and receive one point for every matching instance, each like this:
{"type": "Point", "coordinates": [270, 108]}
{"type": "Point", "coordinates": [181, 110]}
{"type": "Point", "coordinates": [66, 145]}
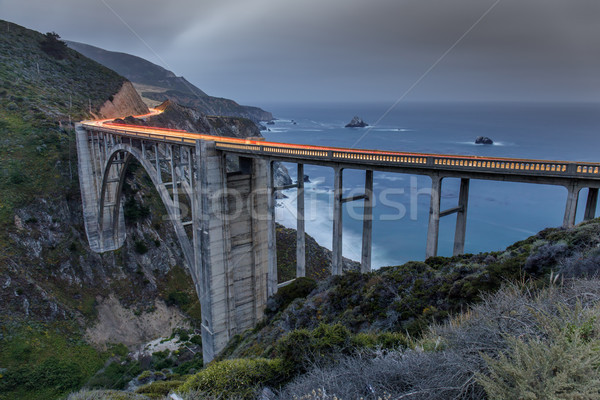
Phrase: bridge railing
{"type": "Point", "coordinates": [368, 157]}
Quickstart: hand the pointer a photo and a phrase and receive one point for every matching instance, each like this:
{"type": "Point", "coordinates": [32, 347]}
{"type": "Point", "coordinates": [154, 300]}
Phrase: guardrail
{"type": "Point", "coordinates": [531, 167]}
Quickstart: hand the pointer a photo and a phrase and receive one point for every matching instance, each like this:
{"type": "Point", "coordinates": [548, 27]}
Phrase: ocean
{"type": "Point", "coordinates": [499, 213]}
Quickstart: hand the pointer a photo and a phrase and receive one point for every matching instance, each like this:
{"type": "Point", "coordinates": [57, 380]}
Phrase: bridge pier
{"type": "Point", "coordinates": [271, 231]}
{"type": "Point", "coordinates": [571, 207]}
{"type": "Point", "coordinates": [461, 218]}
{"type": "Point", "coordinates": [230, 246]}
{"type": "Point", "coordinates": [336, 244]}
{"type": "Point", "coordinates": [367, 234]}
{"type": "Point", "coordinates": [590, 206]}
{"type": "Point", "coordinates": [433, 230]}
{"type": "Point", "coordinates": [435, 213]}
{"type": "Point", "coordinates": [300, 234]}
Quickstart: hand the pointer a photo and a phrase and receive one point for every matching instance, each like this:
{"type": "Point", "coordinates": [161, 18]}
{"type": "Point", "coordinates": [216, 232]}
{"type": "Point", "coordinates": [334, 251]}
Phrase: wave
{"type": "Point", "coordinates": [501, 144]}
{"type": "Point", "coordinates": [393, 130]}
{"type": "Point", "coordinates": [318, 224]}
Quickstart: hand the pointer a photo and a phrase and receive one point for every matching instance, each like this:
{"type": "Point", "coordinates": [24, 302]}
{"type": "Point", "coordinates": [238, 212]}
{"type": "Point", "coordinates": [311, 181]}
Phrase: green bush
{"type": "Point", "coordinates": [178, 298]}
{"type": "Point", "coordinates": [384, 340]}
{"type": "Point", "coordinates": [140, 247]}
{"type": "Point", "coordinates": [301, 348]}
{"type": "Point", "coordinates": [301, 287]}
{"type": "Point", "coordinates": [237, 378]}
{"type": "Point", "coordinates": [157, 390]}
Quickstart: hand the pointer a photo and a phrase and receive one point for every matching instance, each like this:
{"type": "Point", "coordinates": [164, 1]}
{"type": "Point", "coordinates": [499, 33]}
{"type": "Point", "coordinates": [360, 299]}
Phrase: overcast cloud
{"type": "Point", "coordinates": [258, 51]}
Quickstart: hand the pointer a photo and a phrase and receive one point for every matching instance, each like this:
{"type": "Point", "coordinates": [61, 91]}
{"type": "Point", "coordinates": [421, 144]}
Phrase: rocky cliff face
{"type": "Point", "coordinates": [159, 84]}
{"type": "Point", "coordinates": [125, 102]}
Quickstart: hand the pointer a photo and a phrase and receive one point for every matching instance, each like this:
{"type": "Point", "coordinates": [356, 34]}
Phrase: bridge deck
{"type": "Point", "coordinates": [495, 168]}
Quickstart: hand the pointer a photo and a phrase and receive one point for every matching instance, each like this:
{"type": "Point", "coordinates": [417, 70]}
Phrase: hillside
{"type": "Point", "coordinates": [68, 312]}
{"type": "Point", "coordinates": [158, 84]}
{"type": "Point", "coordinates": [499, 325]}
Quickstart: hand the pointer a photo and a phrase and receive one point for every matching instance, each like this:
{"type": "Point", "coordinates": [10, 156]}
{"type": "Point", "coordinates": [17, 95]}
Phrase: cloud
{"type": "Point", "coordinates": [256, 50]}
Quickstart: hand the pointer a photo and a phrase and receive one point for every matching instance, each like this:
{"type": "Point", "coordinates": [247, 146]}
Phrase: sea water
{"type": "Point", "coordinates": [499, 213]}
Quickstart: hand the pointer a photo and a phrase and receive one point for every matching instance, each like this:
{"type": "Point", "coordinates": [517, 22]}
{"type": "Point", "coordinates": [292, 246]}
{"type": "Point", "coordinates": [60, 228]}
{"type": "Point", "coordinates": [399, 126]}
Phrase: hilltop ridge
{"type": "Point", "coordinates": [158, 84]}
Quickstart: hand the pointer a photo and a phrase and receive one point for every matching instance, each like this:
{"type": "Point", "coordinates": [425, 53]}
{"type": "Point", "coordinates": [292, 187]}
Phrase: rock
{"type": "Point", "coordinates": [483, 140]}
{"type": "Point", "coordinates": [356, 122]}
{"type": "Point", "coordinates": [271, 123]}
{"type": "Point", "coordinates": [19, 223]}
{"type": "Point", "coordinates": [306, 179]}
{"type": "Point", "coordinates": [262, 127]}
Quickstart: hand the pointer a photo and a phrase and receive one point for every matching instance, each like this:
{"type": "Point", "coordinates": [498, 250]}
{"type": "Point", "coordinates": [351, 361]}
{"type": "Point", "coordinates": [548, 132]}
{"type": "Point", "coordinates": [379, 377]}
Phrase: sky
{"type": "Point", "coordinates": [267, 51]}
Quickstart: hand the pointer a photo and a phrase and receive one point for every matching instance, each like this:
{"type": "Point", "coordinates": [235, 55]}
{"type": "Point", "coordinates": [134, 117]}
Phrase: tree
{"type": "Point", "coordinates": [53, 46]}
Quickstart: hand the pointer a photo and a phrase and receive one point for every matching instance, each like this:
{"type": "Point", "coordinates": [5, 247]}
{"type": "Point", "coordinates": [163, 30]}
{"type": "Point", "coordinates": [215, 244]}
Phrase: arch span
{"type": "Point", "coordinates": [110, 214]}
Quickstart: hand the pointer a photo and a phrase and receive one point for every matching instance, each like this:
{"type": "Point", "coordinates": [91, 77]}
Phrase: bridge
{"type": "Point", "coordinates": [228, 236]}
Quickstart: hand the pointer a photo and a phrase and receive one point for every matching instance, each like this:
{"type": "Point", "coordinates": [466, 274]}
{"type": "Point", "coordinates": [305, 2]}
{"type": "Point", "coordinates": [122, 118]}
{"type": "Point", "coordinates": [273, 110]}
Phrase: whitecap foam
{"type": "Point", "coordinates": [318, 224]}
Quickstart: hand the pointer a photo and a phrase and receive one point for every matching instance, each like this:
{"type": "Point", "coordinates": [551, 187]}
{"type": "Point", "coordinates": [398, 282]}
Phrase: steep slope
{"type": "Point", "coordinates": [387, 334]}
{"type": "Point", "coordinates": [58, 297]}
{"type": "Point", "coordinates": [159, 84]}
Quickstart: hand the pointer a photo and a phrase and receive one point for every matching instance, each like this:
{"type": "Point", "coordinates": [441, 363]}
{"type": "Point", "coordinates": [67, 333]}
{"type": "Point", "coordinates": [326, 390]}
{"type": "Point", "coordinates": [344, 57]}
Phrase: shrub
{"type": "Point", "coordinates": [140, 247]}
{"type": "Point", "coordinates": [301, 287]}
{"type": "Point", "coordinates": [157, 390]}
{"type": "Point", "coordinates": [302, 348]}
{"type": "Point", "coordinates": [105, 395]}
{"type": "Point", "coordinates": [239, 377]}
{"type": "Point", "coordinates": [178, 298]}
{"type": "Point", "coordinates": [384, 340]}
{"type": "Point", "coordinates": [566, 364]}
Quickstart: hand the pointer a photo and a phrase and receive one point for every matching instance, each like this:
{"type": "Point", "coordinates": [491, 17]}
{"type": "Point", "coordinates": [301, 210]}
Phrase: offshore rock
{"type": "Point", "coordinates": [483, 140]}
{"type": "Point", "coordinates": [356, 122]}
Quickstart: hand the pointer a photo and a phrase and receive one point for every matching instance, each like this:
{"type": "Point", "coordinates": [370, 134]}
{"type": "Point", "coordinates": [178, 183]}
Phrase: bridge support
{"type": "Point", "coordinates": [590, 206]}
{"type": "Point", "coordinates": [461, 218]}
{"type": "Point", "coordinates": [300, 235]}
{"type": "Point", "coordinates": [271, 231]}
{"type": "Point", "coordinates": [433, 231]}
{"type": "Point", "coordinates": [571, 207]}
{"type": "Point", "coordinates": [230, 245]}
{"type": "Point", "coordinates": [367, 234]}
{"type": "Point", "coordinates": [336, 244]}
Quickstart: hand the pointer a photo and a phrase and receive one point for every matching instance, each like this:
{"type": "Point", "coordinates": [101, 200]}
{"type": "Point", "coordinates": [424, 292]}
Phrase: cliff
{"type": "Point", "coordinates": [125, 102]}
{"type": "Point", "coordinates": [158, 84]}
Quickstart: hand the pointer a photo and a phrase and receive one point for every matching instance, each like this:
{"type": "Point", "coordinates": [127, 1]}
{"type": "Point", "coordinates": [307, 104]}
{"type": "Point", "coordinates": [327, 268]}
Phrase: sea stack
{"type": "Point", "coordinates": [483, 140]}
{"type": "Point", "coordinates": [356, 122]}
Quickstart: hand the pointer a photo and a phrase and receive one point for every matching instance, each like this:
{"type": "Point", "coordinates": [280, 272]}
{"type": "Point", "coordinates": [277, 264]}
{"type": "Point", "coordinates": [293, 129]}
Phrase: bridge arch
{"type": "Point", "coordinates": [110, 213]}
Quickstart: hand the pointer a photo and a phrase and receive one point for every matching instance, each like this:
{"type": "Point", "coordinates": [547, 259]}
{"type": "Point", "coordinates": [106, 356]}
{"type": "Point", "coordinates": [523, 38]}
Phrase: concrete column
{"type": "Point", "coordinates": [367, 236]}
{"type": "Point", "coordinates": [157, 160]}
{"type": "Point", "coordinates": [590, 206]}
{"type": "Point", "coordinates": [433, 230]}
{"type": "Point", "coordinates": [461, 218]}
{"type": "Point", "coordinates": [271, 232]}
{"type": "Point", "coordinates": [336, 246]}
{"type": "Point", "coordinates": [300, 235]}
{"type": "Point", "coordinates": [175, 185]}
{"type": "Point", "coordinates": [571, 207]}
{"type": "Point", "coordinates": [211, 246]}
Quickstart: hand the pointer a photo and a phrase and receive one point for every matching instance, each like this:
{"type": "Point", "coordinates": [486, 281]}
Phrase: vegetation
{"type": "Point", "coordinates": [41, 83]}
{"type": "Point", "coordinates": [45, 361]}
{"type": "Point", "coordinates": [238, 378]}
{"type": "Point", "coordinates": [517, 343]}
